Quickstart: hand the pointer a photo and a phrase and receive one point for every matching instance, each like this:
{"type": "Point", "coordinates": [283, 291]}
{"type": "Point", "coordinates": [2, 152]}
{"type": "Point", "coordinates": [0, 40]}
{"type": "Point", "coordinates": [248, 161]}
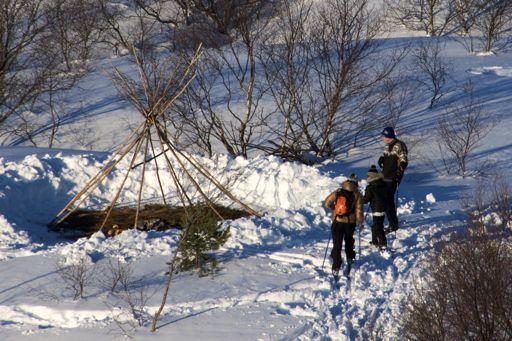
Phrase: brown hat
{"type": "Point", "coordinates": [373, 174]}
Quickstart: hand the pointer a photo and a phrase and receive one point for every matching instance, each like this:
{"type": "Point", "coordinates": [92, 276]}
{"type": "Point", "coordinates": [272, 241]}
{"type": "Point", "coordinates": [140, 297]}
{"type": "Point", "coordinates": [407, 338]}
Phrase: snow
{"type": "Point", "coordinates": [492, 70]}
{"type": "Point", "coordinates": [270, 283]}
{"type": "Point", "coordinates": [430, 198]}
{"type": "Point", "coordinates": [11, 239]}
{"type": "Point", "coordinates": [140, 244]}
{"type": "Point", "coordinates": [406, 208]}
{"type": "Point", "coordinates": [270, 272]}
{"type": "Point", "coordinates": [281, 284]}
{"type": "Point", "coordinates": [484, 54]}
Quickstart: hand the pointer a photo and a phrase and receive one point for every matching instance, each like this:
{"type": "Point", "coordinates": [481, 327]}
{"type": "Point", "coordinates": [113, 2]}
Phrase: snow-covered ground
{"type": "Point", "coordinates": [270, 283]}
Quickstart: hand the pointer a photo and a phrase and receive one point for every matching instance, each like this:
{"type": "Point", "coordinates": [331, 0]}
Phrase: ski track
{"type": "Point", "coordinates": [369, 300]}
{"type": "Point", "coordinates": [289, 240]}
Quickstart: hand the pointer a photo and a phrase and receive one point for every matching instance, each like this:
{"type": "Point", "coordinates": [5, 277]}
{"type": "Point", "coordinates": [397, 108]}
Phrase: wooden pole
{"type": "Point", "coordinates": [141, 183]}
{"type": "Point", "coordinates": [206, 174]}
{"type": "Point", "coordinates": [179, 187]}
{"type": "Point", "coordinates": [82, 195]}
{"type": "Point", "coordinates": [157, 170]}
{"type": "Point", "coordinates": [196, 184]}
{"type": "Point", "coordinates": [113, 203]}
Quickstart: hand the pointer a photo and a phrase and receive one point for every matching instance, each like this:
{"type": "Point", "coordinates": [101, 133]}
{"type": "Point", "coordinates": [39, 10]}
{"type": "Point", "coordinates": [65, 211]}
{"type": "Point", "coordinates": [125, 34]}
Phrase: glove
{"type": "Point", "coordinates": [398, 175]}
{"type": "Point", "coordinates": [381, 162]}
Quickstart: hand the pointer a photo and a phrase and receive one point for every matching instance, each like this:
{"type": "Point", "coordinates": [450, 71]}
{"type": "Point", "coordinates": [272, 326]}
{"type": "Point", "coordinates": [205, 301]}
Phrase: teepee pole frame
{"type": "Point", "coordinates": [118, 193]}
{"type": "Point", "coordinates": [184, 168]}
{"type": "Point", "coordinates": [143, 172]}
{"type": "Point", "coordinates": [92, 184]}
{"type": "Point", "coordinates": [157, 171]}
{"type": "Point", "coordinates": [153, 102]}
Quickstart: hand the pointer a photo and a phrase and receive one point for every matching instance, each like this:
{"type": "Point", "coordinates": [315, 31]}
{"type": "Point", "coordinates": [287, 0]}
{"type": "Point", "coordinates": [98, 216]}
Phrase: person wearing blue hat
{"type": "Point", "coordinates": [393, 163]}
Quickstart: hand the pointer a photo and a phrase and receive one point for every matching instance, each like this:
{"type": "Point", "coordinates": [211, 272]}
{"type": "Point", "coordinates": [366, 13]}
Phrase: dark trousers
{"type": "Point", "coordinates": [342, 232]}
{"type": "Point", "coordinates": [391, 187]}
{"type": "Point", "coordinates": [378, 235]}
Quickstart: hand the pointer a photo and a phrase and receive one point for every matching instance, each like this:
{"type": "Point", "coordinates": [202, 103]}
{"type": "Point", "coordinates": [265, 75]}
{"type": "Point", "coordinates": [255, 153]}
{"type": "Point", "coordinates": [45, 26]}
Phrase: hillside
{"type": "Point", "coordinates": [271, 282]}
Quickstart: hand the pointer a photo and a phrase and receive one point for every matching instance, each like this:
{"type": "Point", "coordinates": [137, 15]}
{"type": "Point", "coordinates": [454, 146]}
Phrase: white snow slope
{"type": "Point", "coordinates": [270, 283]}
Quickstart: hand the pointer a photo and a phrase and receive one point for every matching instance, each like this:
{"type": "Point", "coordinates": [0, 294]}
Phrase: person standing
{"type": "Point", "coordinates": [347, 205]}
{"type": "Point", "coordinates": [376, 195]}
{"type": "Point", "coordinates": [393, 163]}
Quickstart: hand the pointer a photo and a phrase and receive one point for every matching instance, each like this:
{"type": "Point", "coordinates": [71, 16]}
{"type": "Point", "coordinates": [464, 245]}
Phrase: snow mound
{"type": "Point", "coordinates": [492, 70]}
{"type": "Point", "coordinates": [276, 227]}
{"type": "Point", "coordinates": [11, 240]}
{"type": "Point", "coordinates": [50, 181]}
{"type": "Point", "coordinates": [270, 183]}
{"type": "Point", "coordinates": [406, 208]}
{"type": "Point", "coordinates": [430, 198]}
{"type": "Point", "coordinates": [131, 244]}
{"type": "Point", "coordinates": [40, 185]}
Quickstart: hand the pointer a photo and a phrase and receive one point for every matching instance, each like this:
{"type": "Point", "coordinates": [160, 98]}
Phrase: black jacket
{"type": "Point", "coordinates": [376, 194]}
{"type": "Point", "coordinates": [394, 161]}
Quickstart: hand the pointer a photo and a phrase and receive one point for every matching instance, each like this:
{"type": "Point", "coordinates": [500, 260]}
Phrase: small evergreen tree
{"type": "Point", "coordinates": [205, 234]}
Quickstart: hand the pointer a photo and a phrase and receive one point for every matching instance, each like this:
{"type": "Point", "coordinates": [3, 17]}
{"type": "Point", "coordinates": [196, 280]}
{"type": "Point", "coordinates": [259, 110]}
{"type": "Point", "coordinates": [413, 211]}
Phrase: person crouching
{"type": "Point", "coordinates": [376, 195]}
{"type": "Point", "coordinates": [347, 205]}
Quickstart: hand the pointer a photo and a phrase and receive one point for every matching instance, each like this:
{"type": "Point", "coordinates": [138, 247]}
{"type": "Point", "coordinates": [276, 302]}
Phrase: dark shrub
{"type": "Point", "coordinates": [467, 294]}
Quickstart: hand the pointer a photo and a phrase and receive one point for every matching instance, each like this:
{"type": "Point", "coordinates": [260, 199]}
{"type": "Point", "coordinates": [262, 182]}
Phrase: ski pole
{"type": "Point", "coordinates": [359, 242]}
{"type": "Point", "coordinates": [326, 249]}
{"type": "Point", "coordinates": [366, 214]}
{"type": "Point", "coordinates": [396, 203]}
{"type": "Point", "coordinates": [359, 234]}
{"type": "Point", "coordinates": [396, 195]}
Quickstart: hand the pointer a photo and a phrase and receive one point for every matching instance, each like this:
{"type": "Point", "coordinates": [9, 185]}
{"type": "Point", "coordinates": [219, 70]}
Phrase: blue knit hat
{"type": "Point", "coordinates": [389, 132]}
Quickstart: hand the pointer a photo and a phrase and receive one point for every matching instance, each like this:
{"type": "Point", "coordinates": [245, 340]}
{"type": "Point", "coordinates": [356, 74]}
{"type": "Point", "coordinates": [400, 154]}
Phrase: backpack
{"type": "Point", "coordinates": [344, 204]}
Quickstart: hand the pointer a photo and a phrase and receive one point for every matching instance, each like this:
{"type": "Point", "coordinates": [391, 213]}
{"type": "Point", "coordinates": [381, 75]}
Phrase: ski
{"type": "Point", "coordinates": [336, 281]}
{"type": "Point", "coordinates": [348, 268]}
{"type": "Point", "coordinates": [336, 274]}
{"type": "Point", "coordinates": [388, 231]}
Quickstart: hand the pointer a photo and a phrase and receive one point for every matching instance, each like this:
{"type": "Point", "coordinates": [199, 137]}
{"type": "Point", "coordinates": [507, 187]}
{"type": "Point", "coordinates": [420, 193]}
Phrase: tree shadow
{"type": "Point", "coordinates": [258, 295]}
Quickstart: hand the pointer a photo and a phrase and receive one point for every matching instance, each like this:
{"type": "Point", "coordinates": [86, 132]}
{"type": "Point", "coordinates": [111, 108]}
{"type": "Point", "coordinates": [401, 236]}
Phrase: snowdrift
{"type": "Point", "coordinates": [34, 188]}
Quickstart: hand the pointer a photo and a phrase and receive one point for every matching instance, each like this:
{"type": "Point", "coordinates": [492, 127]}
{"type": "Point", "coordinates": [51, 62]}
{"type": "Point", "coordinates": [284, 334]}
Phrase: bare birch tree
{"type": "Point", "coordinates": [45, 48]}
{"type": "Point", "coordinates": [429, 16]}
{"type": "Point", "coordinates": [494, 24]}
{"type": "Point", "coordinates": [226, 96]}
{"type": "Point", "coordinates": [462, 128]}
{"type": "Point", "coordinates": [286, 59]}
{"type": "Point", "coordinates": [432, 69]}
{"type": "Point", "coordinates": [325, 77]}
{"type": "Point", "coordinates": [465, 15]}
{"type": "Point", "coordinates": [348, 68]}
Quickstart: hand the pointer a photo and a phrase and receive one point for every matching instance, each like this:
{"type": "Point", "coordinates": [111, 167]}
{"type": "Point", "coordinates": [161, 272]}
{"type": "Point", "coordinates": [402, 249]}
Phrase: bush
{"type": "Point", "coordinates": [77, 275]}
{"type": "Point", "coordinates": [462, 128]}
{"type": "Point", "coordinates": [129, 296]}
{"type": "Point", "coordinates": [501, 200]}
{"type": "Point", "coordinates": [203, 234]}
{"type": "Point", "coordinates": [467, 294]}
